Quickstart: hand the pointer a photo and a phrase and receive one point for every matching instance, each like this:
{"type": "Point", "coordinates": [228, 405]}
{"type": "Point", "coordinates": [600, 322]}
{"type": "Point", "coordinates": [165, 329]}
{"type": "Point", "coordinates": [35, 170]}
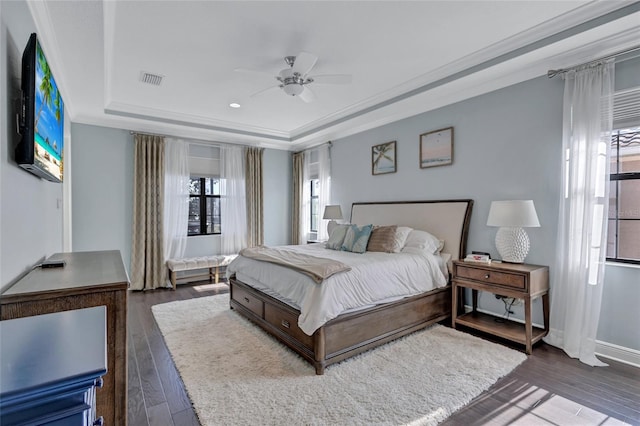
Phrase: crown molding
{"type": "Point", "coordinates": [172, 117]}
{"type": "Point", "coordinates": [47, 39]}
{"type": "Point", "coordinates": [525, 67]}
{"type": "Point", "coordinates": [108, 19]}
{"type": "Point", "coordinates": [582, 19]}
{"type": "Point", "coordinates": [178, 131]}
{"type": "Point", "coordinates": [534, 49]}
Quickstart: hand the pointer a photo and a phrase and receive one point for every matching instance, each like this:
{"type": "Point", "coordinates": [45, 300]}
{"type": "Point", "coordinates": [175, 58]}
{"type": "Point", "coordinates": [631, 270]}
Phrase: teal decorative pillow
{"type": "Point", "coordinates": [337, 237]}
{"type": "Point", "coordinates": [357, 239]}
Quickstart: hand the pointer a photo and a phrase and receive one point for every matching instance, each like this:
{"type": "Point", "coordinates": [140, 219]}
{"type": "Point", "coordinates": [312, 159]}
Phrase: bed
{"type": "Point", "coordinates": [358, 330]}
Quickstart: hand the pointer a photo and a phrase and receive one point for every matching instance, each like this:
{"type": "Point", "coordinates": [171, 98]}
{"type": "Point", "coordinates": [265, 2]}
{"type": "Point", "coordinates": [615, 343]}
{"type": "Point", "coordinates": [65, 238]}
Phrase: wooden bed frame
{"type": "Point", "coordinates": [353, 333]}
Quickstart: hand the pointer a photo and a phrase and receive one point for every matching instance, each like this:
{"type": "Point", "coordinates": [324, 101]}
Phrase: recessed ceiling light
{"type": "Point", "coordinates": [234, 105]}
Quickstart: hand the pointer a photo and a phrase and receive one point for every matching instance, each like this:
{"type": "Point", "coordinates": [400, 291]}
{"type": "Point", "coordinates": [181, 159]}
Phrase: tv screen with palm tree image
{"type": "Point", "coordinates": [42, 123]}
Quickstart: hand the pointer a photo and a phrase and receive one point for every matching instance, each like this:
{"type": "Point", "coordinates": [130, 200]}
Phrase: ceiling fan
{"type": "Point", "coordinates": [295, 80]}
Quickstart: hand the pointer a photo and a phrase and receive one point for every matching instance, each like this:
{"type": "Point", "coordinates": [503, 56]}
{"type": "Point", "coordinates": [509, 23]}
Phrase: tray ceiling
{"type": "Point", "coordinates": [404, 58]}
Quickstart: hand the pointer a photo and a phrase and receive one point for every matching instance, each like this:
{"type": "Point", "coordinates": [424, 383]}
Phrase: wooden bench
{"type": "Point", "coordinates": [211, 263]}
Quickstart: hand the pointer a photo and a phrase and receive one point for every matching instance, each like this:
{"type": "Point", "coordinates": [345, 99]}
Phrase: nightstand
{"type": "Point", "coordinates": [522, 281]}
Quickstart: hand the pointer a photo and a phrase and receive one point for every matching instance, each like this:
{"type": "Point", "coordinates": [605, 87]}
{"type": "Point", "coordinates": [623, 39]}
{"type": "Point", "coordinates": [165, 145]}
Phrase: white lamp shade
{"type": "Point", "coordinates": [514, 213]}
{"type": "Point", "coordinates": [332, 212]}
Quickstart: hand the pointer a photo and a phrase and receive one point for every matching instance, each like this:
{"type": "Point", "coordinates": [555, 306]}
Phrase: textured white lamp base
{"type": "Point", "coordinates": [512, 244]}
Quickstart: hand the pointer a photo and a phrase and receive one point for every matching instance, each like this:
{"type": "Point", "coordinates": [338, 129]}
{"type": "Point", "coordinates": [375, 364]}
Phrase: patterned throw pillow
{"type": "Point", "coordinates": [382, 239]}
{"type": "Point", "coordinates": [357, 238]}
{"type": "Point", "coordinates": [337, 237]}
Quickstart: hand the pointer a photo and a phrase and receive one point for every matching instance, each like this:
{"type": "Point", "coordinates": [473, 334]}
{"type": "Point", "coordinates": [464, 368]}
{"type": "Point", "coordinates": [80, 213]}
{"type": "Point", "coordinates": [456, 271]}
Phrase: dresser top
{"type": "Point", "coordinates": [51, 350]}
{"type": "Point", "coordinates": [83, 270]}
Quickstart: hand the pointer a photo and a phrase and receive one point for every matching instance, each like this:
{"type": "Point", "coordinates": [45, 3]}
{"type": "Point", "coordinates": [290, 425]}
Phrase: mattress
{"type": "Point", "coordinates": [374, 278]}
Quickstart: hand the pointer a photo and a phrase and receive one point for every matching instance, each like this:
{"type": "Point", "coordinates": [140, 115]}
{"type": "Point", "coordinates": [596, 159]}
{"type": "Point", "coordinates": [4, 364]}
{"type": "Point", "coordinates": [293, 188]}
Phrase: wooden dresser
{"type": "Point", "coordinates": [51, 366]}
{"type": "Point", "coordinates": [88, 279]}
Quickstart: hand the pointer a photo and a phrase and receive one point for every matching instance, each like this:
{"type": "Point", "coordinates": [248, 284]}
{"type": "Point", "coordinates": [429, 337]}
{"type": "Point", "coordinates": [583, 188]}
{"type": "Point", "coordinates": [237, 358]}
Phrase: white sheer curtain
{"type": "Point", "coordinates": [305, 201]}
{"type": "Point", "coordinates": [176, 197]}
{"type": "Point", "coordinates": [233, 205]}
{"type": "Point", "coordinates": [577, 278]}
{"type": "Point", "coordinates": [324, 188]}
{"type": "Point", "coordinates": [317, 165]}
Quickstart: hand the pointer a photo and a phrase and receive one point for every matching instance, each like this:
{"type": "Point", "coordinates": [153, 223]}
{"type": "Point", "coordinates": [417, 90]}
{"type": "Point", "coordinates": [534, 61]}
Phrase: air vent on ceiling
{"type": "Point", "coordinates": [149, 78]}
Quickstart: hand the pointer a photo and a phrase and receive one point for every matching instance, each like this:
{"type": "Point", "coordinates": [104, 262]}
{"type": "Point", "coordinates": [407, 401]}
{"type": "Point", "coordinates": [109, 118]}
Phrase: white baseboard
{"type": "Point", "coordinates": [618, 353]}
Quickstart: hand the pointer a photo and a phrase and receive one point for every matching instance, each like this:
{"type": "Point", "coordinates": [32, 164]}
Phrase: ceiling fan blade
{"type": "Point", "coordinates": [254, 72]}
{"type": "Point", "coordinates": [304, 62]}
{"type": "Point", "coordinates": [332, 79]}
{"type": "Point", "coordinates": [260, 92]}
{"type": "Point", "coordinates": [307, 95]}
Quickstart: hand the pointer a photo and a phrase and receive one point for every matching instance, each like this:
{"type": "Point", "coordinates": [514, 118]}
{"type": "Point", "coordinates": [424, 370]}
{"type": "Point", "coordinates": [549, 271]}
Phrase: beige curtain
{"type": "Point", "coordinates": [147, 248]}
{"type": "Point", "coordinates": [298, 183]}
{"type": "Point", "coordinates": [253, 181]}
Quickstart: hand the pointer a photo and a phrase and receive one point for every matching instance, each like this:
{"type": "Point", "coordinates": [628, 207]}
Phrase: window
{"type": "Point", "coordinates": [313, 214]}
{"type": "Point", "coordinates": [623, 243]}
{"type": "Point", "coordinates": [204, 206]}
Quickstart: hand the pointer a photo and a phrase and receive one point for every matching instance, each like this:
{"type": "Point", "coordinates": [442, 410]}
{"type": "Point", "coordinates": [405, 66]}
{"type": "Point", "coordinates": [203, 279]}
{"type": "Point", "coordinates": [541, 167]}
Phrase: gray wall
{"type": "Point", "coordinates": [31, 209]}
{"type": "Point", "coordinates": [102, 191]}
{"type": "Point", "coordinates": [507, 145]}
{"type": "Point", "coordinates": [102, 194]}
{"type": "Point", "coordinates": [277, 197]}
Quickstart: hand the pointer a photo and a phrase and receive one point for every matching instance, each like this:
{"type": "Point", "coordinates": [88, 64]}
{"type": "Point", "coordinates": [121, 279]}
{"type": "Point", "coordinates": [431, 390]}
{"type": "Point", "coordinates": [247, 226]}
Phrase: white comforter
{"type": "Point", "coordinates": [374, 278]}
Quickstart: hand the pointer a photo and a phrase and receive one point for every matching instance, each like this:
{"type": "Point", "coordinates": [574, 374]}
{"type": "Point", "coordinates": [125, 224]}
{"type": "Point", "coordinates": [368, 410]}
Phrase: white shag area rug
{"type": "Point", "coordinates": [236, 374]}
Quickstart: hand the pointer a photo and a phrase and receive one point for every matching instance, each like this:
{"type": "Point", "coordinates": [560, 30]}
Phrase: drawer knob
{"type": "Point", "coordinates": [486, 276]}
{"type": "Point", "coordinates": [246, 299]}
{"type": "Point", "coordinates": [285, 323]}
{"type": "Point", "coordinates": [99, 382]}
{"type": "Point", "coordinates": [99, 421]}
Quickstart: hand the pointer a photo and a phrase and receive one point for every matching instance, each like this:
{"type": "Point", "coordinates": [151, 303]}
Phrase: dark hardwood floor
{"type": "Point", "coordinates": [549, 388]}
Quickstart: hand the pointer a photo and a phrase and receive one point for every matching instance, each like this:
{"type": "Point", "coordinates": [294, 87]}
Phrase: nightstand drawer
{"type": "Point", "coordinates": [505, 279]}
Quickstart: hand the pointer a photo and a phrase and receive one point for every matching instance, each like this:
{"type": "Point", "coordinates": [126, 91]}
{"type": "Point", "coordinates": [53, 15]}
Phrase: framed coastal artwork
{"type": "Point", "coordinates": [383, 158]}
{"type": "Point", "coordinates": [436, 148]}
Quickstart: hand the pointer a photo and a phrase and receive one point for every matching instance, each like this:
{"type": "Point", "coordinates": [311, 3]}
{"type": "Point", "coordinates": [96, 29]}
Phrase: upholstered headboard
{"type": "Point", "coordinates": [446, 219]}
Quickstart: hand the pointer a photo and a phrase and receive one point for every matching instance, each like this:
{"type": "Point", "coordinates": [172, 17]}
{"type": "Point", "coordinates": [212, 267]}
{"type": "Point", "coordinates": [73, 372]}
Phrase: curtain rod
{"type": "Point", "coordinates": [133, 132]}
{"type": "Point", "coordinates": [553, 73]}
{"type": "Point", "coordinates": [314, 147]}
{"type": "Point", "coordinates": [202, 142]}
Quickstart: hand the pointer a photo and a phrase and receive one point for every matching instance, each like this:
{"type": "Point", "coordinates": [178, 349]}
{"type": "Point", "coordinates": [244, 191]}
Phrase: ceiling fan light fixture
{"type": "Point", "coordinates": [293, 89]}
{"type": "Point", "coordinates": [285, 73]}
{"type": "Point", "coordinates": [295, 79]}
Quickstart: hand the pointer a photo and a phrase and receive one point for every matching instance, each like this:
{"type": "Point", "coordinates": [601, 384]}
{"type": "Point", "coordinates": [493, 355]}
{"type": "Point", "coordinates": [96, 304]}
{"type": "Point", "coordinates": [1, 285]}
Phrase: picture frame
{"type": "Point", "coordinates": [383, 158]}
{"type": "Point", "coordinates": [436, 148]}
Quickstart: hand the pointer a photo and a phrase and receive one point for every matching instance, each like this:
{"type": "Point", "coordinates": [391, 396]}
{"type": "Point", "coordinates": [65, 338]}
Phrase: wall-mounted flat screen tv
{"type": "Point", "coordinates": [41, 119]}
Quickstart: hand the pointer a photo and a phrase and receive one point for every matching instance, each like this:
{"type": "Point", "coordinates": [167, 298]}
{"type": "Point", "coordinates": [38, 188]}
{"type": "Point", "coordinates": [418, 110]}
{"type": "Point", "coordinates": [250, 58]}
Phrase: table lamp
{"type": "Point", "coordinates": [332, 212]}
{"type": "Point", "coordinates": [512, 241]}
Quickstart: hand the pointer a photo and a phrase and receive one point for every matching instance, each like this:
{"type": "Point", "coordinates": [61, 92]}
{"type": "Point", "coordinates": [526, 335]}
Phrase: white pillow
{"type": "Point", "coordinates": [422, 240]}
{"type": "Point", "coordinates": [337, 237]}
{"type": "Point", "coordinates": [402, 232]}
